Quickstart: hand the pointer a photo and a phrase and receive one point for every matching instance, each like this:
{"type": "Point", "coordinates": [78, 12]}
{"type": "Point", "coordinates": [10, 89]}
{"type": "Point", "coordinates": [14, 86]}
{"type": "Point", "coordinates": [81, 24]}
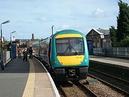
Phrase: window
{"type": "Point", "coordinates": [70, 46]}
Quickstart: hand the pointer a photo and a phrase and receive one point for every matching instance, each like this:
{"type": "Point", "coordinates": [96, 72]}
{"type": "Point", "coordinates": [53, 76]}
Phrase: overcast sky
{"type": "Point", "coordinates": [37, 16]}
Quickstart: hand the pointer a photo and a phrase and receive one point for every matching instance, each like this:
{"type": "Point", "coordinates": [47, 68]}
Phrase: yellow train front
{"type": "Point", "coordinates": [68, 55]}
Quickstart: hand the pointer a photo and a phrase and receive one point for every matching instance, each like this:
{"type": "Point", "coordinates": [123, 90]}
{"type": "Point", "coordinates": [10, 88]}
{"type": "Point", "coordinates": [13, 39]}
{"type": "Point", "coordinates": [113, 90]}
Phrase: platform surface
{"type": "Point", "coordinates": [26, 79]}
{"type": "Point", "coordinates": [110, 60]}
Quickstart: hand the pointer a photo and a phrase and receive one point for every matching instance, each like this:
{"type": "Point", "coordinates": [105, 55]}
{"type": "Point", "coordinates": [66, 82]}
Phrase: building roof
{"type": "Point", "coordinates": [100, 31]}
{"type": "Point", "coordinates": [22, 40]}
{"type": "Point", "coordinates": [97, 31]}
{"type": "Point", "coordinates": [104, 31]}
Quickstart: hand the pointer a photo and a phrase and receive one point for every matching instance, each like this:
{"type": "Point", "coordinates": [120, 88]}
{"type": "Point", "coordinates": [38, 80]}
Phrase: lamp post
{"type": "Point", "coordinates": [52, 29]}
{"type": "Point", "coordinates": [1, 62]}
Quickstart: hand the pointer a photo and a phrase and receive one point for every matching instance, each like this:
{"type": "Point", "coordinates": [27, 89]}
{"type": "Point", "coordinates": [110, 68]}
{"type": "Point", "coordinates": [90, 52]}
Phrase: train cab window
{"type": "Point", "coordinates": [70, 46]}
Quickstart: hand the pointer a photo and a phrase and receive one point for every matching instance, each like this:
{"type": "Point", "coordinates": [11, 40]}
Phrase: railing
{"type": "Point", "coordinates": [112, 52]}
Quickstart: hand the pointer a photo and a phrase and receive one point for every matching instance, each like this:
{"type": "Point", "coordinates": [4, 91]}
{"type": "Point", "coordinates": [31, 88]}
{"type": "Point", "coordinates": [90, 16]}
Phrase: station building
{"type": "Point", "coordinates": [98, 38]}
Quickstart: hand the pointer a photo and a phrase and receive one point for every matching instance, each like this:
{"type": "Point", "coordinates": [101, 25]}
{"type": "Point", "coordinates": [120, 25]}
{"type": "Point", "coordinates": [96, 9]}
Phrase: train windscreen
{"type": "Point", "coordinates": [70, 46]}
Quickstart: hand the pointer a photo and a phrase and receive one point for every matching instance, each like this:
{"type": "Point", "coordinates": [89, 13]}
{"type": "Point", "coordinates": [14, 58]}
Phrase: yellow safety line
{"type": "Point", "coordinates": [29, 88]}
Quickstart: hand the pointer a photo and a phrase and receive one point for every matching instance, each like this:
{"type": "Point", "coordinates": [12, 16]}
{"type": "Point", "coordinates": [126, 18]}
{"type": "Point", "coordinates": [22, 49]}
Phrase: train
{"type": "Point", "coordinates": [65, 53]}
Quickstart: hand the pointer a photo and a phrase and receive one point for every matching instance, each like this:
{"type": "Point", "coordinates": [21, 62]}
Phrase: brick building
{"type": "Point", "coordinates": [98, 38]}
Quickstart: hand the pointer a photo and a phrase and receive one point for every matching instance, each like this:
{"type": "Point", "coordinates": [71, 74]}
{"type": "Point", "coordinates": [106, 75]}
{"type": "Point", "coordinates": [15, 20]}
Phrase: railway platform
{"type": "Point", "coordinates": [124, 63]}
{"type": "Point", "coordinates": [26, 79]}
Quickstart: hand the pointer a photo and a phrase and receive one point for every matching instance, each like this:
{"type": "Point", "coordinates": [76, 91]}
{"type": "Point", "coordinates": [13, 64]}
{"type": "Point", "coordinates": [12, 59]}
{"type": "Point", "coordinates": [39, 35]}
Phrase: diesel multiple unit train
{"type": "Point", "coordinates": [65, 54]}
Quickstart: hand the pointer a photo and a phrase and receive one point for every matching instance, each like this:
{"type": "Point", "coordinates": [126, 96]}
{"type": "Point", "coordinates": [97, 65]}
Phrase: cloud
{"type": "Point", "coordinates": [98, 13]}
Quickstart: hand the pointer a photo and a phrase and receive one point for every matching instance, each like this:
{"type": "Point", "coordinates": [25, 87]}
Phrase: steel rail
{"type": "Point", "coordinates": [61, 91]}
{"type": "Point", "coordinates": [86, 90]}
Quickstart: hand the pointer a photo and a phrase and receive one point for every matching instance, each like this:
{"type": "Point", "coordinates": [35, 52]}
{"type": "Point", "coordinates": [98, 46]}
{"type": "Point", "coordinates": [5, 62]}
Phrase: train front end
{"type": "Point", "coordinates": [69, 58]}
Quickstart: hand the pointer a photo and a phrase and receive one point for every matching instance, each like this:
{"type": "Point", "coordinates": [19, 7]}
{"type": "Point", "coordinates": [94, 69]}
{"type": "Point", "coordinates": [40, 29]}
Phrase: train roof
{"type": "Point", "coordinates": [68, 31]}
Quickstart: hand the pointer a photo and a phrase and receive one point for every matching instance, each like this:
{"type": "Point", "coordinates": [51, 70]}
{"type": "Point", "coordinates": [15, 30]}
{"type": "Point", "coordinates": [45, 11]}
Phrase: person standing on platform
{"type": "Point", "coordinates": [25, 53]}
{"type": "Point", "coordinates": [30, 52]}
{"type": "Point", "coordinates": [19, 53]}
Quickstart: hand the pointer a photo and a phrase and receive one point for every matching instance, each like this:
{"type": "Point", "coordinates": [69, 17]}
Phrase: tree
{"type": "Point", "coordinates": [122, 21]}
{"type": "Point", "coordinates": [113, 32]}
{"type": "Point", "coordinates": [125, 42]}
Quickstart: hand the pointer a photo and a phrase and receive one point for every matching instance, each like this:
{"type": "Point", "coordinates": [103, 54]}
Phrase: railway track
{"type": "Point", "coordinates": [86, 90]}
{"type": "Point", "coordinates": [118, 84]}
{"type": "Point", "coordinates": [79, 89]}
{"type": "Point", "coordinates": [61, 91]}
{"type": "Point", "coordinates": [75, 89]}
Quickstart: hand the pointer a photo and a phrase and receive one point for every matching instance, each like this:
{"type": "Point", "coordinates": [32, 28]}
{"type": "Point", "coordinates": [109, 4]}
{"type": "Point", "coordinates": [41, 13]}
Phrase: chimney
{"type": "Point", "coordinates": [32, 36]}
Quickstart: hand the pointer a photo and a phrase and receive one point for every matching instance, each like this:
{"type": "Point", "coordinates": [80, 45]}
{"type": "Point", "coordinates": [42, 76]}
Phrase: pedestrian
{"type": "Point", "coordinates": [30, 52]}
{"type": "Point", "coordinates": [19, 53]}
{"type": "Point", "coordinates": [25, 54]}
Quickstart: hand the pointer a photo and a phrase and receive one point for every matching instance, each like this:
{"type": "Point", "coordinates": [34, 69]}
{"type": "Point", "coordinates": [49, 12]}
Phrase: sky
{"type": "Point", "coordinates": [38, 16]}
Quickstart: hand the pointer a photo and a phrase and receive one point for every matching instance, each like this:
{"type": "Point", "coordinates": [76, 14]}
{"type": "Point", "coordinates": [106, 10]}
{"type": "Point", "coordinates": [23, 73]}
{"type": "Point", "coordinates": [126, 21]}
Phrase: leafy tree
{"type": "Point", "coordinates": [125, 42]}
{"type": "Point", "coordinates": [122, 21]}
{"type": "Point", "coordinates": [113, 32]}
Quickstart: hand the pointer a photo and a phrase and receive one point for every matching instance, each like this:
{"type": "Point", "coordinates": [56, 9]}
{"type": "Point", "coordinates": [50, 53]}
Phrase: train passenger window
{"type": "Point", "coordinates": [70, 46]}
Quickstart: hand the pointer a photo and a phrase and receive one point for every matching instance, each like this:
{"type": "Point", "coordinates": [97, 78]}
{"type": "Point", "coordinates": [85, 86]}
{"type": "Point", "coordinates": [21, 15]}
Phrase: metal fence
{"type": "Point", "coordinates": [112, 52]}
